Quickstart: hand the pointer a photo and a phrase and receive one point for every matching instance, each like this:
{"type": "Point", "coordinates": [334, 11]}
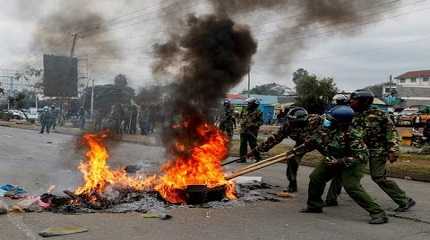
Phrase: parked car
{"type": "Point", "coordinates": [17, 114]}
{"type": "Point", "coordinates": [32, 114]}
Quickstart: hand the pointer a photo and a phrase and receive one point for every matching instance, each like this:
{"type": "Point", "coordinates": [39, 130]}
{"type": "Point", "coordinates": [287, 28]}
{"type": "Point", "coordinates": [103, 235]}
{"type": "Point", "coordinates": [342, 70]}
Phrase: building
{"type": "Point", "coordinates": [414, 88]}
{"type": "Point", "coordinates": [414, 79]}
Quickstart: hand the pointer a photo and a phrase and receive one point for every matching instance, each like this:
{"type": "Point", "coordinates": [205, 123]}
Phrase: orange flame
{"type": "Point", "coordinates": [98, 175]}
{"type": "Point", "coordinates": [201, 167]}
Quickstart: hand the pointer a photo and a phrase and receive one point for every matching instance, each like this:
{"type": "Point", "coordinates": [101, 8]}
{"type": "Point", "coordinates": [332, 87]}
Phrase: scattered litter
{"type": "Point", "coordinates": [28, 205]}
{"type": "Point", "coordinates": [283, 194]}
{"type": "Point", "coordinates": [160, 215]}
{"type": "Point", "coordinates": [408, 178]}
{"type": "Point", "coordinates": [12, 191]}
{"type": "Point", "coordinates": [3, 208]}
{"type": "Point", "coordinates": [61, 231]}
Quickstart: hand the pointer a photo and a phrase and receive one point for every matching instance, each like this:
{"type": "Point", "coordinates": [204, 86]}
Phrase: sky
{"type": "Point", "coordinates": [396, 43]}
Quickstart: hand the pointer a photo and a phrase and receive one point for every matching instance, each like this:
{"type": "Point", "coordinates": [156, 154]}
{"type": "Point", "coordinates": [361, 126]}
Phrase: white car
{"type": "Point", "coordinates": [17, 114]}
{"type": "Point", "coordinates": [32, 114]}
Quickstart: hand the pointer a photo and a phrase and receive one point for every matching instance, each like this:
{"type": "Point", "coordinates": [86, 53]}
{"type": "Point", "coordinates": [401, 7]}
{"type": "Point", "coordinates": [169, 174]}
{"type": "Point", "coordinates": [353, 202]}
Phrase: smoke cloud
{"type": "Point", "coordinates": [297, 21]}
{"type": "Point", "coordinates": [54, 32]}
{"type": "Point", "coordinates": [209, 59]}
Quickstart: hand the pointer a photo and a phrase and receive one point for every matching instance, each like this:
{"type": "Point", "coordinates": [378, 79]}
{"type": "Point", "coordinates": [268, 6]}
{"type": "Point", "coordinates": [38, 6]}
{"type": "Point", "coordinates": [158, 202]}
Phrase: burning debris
{"type": "Point", "coordinates": [194, 178]}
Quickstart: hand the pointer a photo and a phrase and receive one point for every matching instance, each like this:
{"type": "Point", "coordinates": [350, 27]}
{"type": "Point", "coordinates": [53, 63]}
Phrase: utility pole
{"type": "Point", "coordinates": [391, 84]}
{"type": "Point", "coordinates": [10, 92]}
{"type": "Point", "coordinates": [75, 39]}
{"type": "Point", "coordinates": [92, 100]}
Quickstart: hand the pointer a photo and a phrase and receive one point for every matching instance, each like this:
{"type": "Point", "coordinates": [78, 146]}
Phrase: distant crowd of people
{"type": "Point", "coordinates": [127, 119]}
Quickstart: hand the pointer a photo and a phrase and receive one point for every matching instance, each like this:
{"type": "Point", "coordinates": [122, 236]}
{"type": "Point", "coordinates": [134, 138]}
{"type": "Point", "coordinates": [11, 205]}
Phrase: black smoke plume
{"type": "Point", "coordinates": [209, 59]}
{"type": "Point", "coordinates": [296, 22]}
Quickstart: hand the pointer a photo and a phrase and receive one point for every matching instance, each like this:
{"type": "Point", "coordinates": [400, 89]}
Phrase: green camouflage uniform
{"type": "Point", "coordinates": [299, 135]}
{"type": "Point", "coordinates": [227, 122]}
{"type": "Point", "coordinates": [381, 138]}
{"type": "Point", "coordinates": [249, 125]}
{"type": "Point", "coordinates": [338, 144]}
{"type": "Point", "coordinates": [45, 121]}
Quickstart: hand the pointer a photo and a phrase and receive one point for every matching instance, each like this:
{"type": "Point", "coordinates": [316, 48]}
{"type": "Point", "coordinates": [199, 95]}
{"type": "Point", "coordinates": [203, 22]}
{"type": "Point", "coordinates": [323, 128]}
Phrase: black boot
{"type": "Point", "coordinates": [292, 188]}
{"type": "Point", "coordinates": [378, 220]}
{"type": "Point", "coordinates": [331, 203]}
{"type": "Point", "coordinates": [405, 208]}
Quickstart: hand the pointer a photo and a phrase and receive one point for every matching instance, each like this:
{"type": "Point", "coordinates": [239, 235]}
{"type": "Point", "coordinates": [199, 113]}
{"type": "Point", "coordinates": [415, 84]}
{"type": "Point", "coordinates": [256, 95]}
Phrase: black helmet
{"type": "Point", "coordinates": [297, 115]}
{"type": "Point", "coordinates": [365, 97]}
{"type": "Point", "coordinates": [341, 114]}
{"type": "Point", "coordinates": [252, 102]}
{"type": "Point", "coordinates": [340, 99]}
{"type": "Point", "coordinates": [227, 102]}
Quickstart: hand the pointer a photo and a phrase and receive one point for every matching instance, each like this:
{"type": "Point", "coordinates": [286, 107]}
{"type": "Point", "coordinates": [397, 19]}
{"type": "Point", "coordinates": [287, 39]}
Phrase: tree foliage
{"type": "Point", "coordinates": [312, 93]}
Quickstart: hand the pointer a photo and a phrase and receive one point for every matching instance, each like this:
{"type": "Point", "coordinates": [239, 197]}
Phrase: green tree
{"type": "Point", "coordinates": [312, 93]}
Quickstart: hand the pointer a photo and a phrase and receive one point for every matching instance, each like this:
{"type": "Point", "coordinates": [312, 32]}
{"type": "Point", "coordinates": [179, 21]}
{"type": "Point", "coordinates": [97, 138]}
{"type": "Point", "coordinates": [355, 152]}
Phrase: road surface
{"type": "Point", "coordinates": [37, 161]}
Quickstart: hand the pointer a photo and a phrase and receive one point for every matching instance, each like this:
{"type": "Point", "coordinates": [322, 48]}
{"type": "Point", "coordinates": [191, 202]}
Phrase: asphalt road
{"type": "Point", "coordinates": [37, 161]}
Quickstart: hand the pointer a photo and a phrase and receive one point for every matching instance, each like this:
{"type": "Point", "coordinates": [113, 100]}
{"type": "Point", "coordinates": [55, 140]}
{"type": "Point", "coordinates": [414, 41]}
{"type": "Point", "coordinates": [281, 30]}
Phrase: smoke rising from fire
{"type": "Point", "coordinates": [209, 59]}
{"type": "Point", "coordinates": [295, 21]}
{"type": "Point", "coordinates": [54, 32]}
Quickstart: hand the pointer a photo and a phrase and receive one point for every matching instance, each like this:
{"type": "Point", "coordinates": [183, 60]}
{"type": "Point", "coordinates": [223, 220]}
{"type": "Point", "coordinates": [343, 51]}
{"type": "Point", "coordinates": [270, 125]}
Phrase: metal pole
{"type": "Point", "coordinates": [72, 50]}
{"type": "Point", "coordinates": [92, 100]}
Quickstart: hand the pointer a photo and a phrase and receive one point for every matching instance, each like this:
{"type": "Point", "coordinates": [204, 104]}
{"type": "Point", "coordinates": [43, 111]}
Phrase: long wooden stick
{"type": "Point", "coordinates": [254, 168]}
{"type": "Point", "coordinates": [283, 155]}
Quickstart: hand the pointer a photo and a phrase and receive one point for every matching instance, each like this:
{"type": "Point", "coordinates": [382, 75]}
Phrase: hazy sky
{"type": "Point", "coordinates": [396, 44]}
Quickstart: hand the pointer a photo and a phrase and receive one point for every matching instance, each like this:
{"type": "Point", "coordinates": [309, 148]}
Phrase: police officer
{"type": "Point", "coordinates": [298, 126]}
{"type": "Point", "coordinates": [250, 124]}
{"type": "Point", "coordinates": [382, 140]}
{"type": "Point", "coordinates": [340, 100]}
{"type": "Point", "coordinates": [227, 121]}
{"type": "Point", "coordinates": [336, 184]}
{"type": "Point", "coordinates": [45, 118]}
{"type": "Point", "coordinates": [54, 116]}
{"type": "Point", "coordinates": [346, 156]}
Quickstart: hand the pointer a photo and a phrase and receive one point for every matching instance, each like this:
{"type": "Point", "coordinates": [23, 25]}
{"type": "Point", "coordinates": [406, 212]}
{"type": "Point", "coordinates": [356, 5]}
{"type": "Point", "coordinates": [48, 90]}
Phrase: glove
{"type": "Point", "coordinates": [393, 157]}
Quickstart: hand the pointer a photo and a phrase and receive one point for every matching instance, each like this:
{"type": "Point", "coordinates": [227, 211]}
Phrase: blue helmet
{"type": "Point", "coordinates": [341, 114]}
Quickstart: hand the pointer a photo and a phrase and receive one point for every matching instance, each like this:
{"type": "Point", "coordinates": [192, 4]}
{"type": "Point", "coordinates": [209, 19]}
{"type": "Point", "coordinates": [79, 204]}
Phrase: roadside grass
{"type": "Point", "coordinates": [410, 166]}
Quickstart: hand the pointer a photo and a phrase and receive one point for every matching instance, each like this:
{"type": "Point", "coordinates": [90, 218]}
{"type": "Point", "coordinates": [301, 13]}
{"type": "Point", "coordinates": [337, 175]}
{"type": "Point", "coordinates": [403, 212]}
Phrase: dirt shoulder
{"type": "Point", "coordinates": [410, 166]}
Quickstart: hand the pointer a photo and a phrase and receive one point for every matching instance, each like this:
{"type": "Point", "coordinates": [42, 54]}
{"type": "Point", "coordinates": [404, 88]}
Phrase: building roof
{"type": "Point", "coordinates": [415, 74]}
{"type": "Point", "coordinates": [420, 92]}
{"type": "Point", "coordinates": [414, 95]}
